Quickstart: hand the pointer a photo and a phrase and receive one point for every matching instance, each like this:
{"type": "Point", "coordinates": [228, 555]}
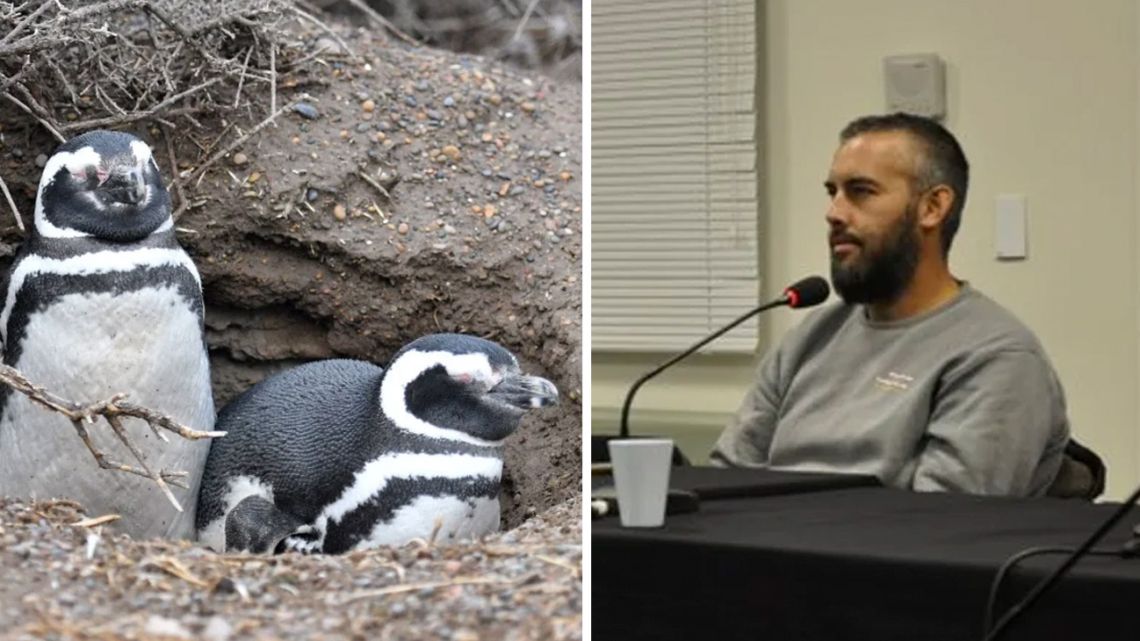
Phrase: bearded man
{"type": "Point", "coordinates": [916, 377]}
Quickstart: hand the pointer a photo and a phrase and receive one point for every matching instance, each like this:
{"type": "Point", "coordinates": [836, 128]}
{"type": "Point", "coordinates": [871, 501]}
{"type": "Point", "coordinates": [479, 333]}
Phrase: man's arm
{"type": "Point", "coordinates": [997, 427]}
{"type": "Point", "coordinates": [746, 440]}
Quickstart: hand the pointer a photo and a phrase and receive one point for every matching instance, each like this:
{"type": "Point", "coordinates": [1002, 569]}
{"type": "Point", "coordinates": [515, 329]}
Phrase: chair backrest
{"type": "Point", "coordinates": [1082, 474]}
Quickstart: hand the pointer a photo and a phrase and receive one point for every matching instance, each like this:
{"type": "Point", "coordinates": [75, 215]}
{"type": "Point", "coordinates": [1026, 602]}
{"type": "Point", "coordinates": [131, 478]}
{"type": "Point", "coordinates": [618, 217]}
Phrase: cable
{"type": "Point", "coordinates": [1012, 562]}
{"type": "Point", "coordinates": [1043, 586]}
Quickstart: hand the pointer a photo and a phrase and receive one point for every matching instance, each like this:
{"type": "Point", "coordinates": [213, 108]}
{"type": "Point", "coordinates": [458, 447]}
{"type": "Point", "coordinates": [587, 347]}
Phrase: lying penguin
{"type": "Point", "coordinates": [101, 299]}
{"type": "Point", "coordinates": [340, 455]}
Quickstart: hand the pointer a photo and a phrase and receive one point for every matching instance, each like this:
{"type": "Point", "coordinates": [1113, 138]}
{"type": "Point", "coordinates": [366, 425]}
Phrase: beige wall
{"type": "Point", "coordinates": [1043, 95]}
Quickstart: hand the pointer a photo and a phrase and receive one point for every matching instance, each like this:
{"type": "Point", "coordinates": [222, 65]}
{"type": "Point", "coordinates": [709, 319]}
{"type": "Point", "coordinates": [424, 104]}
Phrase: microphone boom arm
{"type": "Point", "coordinates": [784, 300]}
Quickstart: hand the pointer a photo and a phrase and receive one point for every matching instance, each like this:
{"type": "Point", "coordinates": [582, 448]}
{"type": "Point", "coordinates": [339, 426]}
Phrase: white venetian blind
{"type": "Point", "coordinates": [674, 157]}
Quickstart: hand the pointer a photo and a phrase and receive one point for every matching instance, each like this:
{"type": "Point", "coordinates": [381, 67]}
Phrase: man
{"type": "Point", "coordinates": [917, 378]}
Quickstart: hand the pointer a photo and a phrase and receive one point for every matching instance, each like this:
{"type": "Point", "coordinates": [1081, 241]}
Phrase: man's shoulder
{"type": "Point", "coordinates": [990, 322]}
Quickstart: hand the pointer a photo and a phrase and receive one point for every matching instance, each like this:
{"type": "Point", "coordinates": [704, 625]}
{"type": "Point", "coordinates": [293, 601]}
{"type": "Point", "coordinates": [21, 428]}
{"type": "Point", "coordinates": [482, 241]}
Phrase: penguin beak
{"type": "Point", "coordinates": [126, 186]}
{"type": "Point", "coordinates": [525, 392]}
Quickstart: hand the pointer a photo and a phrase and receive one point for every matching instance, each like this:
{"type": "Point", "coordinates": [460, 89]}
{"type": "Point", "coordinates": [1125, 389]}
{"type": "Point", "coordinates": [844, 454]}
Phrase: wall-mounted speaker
{"type": "Point", "coordinates": [916, 84]}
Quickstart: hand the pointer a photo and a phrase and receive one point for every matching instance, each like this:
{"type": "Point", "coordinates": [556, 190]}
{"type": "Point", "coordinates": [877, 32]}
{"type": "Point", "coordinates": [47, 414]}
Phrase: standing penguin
{"type": "Point", "coordinates": [339, 455]}
{"type": "Point", "coordinates": [101, 299]}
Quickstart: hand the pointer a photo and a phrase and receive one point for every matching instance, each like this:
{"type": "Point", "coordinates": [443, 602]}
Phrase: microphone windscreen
{"type": "Point", "coordinates": [808, 292]}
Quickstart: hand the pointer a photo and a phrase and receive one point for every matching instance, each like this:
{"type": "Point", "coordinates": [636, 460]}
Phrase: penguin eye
{"type": "Point", "coordinates": [92, 176]}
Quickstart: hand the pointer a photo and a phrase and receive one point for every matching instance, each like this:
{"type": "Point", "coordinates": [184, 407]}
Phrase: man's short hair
{"type": "Point", "coordinates": [944, 163]}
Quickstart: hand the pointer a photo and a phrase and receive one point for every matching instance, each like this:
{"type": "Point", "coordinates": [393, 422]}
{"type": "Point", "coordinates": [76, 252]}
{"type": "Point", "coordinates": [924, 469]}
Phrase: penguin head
{"type": "Point", "coordinates": [102, 184]}
{"type": "Point", "coordinates": [460, 388]}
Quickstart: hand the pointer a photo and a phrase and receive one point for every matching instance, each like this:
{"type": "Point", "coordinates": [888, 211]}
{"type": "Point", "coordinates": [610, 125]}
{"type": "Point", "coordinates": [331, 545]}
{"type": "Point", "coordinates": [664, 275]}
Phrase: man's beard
{"type": "Point", "coordinates": [882, 276]}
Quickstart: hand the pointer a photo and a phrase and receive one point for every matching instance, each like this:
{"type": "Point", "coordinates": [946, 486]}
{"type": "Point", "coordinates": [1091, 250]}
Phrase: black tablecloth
{"type": "Point", "coordinates": [863, 563]}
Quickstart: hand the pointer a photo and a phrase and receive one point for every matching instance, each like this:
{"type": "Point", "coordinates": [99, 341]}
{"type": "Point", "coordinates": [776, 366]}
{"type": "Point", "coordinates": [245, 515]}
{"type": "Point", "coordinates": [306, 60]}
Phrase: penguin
{"type": "Point", "coordinates": [102, 299]}
{"type": "Point", "coordinates": [342, 455]}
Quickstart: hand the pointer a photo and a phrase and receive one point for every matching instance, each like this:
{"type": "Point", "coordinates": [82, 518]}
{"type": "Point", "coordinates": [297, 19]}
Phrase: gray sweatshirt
{"type": "Point", "coordinates": [961, 398]}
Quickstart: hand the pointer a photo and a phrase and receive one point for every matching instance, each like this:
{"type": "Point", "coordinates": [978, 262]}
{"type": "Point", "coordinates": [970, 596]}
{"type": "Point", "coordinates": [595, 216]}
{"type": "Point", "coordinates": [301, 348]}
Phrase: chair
{"type": "Point", "coordinates": [1082, 474]}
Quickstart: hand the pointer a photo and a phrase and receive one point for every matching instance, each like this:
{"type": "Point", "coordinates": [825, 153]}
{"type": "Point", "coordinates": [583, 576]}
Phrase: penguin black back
{"type": "Point", "coordinates": [304, 419]}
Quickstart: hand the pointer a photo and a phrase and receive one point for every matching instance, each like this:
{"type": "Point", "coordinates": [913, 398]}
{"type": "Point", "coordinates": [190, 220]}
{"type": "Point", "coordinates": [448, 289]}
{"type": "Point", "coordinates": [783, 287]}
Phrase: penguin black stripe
{"type": "Point", "coordinates": [345, 534]}
{"type": "Point", "coordinates": [42, 289]}
{"type": "Point", "coordinates": [60, 248]}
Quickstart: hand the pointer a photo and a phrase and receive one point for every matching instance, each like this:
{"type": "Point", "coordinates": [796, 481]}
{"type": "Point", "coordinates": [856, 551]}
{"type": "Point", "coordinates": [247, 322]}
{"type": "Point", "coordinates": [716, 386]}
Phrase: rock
{"type": "Point", "coordinates": [217, 629]}
{"type": "Point", "coordinates": [307, 111]}
{"type": "Point", "coordinates": [339, 212]}
{"type": "Point", "coordinates": [402, 228]}
{"type": "Point", "coordinates": [162, 627]}
{"type": "Point", "coordinates": [239, 159]}
{"type": "Point", "coordinates": [41, 160]}
{"type": "Point", "coordinates": [368, 105]}
{"type": "Point", "coordinates": [527, 107]}
{"type": "Point", "coordinates": [452, 152]}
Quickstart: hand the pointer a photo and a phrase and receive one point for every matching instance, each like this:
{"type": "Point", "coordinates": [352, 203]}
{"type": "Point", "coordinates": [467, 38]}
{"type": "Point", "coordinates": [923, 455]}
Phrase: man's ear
{"type": "Point", "coordinates": [935, 206]}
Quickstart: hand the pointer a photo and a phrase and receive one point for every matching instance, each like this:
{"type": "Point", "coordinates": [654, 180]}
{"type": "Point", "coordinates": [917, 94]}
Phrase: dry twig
{"type": "Point", "coordinates": [12, 204]}
{"type": "Point", "coordinates": [111, 410]}
{"type": "Point", "coordinates": [384, 22]}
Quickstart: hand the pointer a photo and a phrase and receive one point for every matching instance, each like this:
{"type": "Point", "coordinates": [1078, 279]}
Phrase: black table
{"type": "Point", "coordinates": [858, 563]}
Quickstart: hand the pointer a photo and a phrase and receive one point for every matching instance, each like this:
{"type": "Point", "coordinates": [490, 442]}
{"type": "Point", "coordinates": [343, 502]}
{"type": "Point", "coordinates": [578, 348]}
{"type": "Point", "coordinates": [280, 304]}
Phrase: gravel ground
{"type": "Point", "coordinates": [68, 581]}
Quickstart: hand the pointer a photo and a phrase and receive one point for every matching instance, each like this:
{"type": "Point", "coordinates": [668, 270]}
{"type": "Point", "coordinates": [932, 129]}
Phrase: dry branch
{"type": "Point", "coordinates": [111, 410]}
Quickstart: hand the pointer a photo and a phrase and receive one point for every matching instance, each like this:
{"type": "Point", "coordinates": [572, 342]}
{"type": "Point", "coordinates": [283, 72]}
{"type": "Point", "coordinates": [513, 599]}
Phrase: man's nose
{"type": "Point", "coordinates": [838, 211]}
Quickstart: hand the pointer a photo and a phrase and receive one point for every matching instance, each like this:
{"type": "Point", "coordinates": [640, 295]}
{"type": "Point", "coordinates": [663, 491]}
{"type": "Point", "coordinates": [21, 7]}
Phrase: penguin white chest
{"type": "Point", "coordinates": [87, 347]}
{"type": "Point", "coordinates": [457, 519]}
{"type": "Point", "coordinates": [148, 341]}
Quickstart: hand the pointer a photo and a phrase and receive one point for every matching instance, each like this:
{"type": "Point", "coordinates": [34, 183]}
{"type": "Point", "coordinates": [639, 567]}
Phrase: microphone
{"type": "Point", "coordinates": [808, 292]}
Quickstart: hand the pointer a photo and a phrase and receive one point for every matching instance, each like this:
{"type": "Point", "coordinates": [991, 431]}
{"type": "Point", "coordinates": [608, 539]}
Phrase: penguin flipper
{"type": "Point", "coordinates": [256, 525]}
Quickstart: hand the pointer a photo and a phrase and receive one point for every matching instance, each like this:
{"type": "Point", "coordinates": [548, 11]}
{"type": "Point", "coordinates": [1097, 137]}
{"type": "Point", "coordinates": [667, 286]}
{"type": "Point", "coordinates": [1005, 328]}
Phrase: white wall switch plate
{"type": "Point", "coordinates": [1011, 227]}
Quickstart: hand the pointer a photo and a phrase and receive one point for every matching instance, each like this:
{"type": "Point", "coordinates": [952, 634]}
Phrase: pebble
{"type": "Point", "coordinates": [217, 629]}
{"type": "Point", "coordinates": [339, 212]}
{"type": "Point", "coordinates": [157, 626]}
{"type": "Point", "coordinates": [449, 102]}
{"type": "Point", "coordinates": [495, 99]}
{"type": "Point", "coordinates": [527, 107]}
{"type": "Point", "coordinates": [411, 101]}
{"type": "Point", "coordinates": [487, 173]}
{"type": "Point", "coordinates": [452, 152]}
{"type": "Point", "coordinates": [312, 194]}
{"type": "Point", "coordinates": [363, 127]}
{"type": "Point", "coordinates": [566, 176]}
{"type": "Point", "coordinates": [516, 190]}
{"type": "Point", "coordinates": [403, 229]}
{"type": "Point", "coordinates": [239, 159]}
{"type": "Point", "coordinates": [434, 115]}
{"type": "Point", "coordinates": [422, 86]}
{"type": "Point", "coordinates": [368, 105]}
{"type": "Point", "coordinates": [306, 110]}
{"type": "Point", "coordinates": [462, 122]}
{"type": "Point", "coordinates": [41, 160]}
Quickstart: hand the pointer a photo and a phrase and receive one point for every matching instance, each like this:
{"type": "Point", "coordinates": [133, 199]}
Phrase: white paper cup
{"type": "Point", "coordinates": [641, 476]}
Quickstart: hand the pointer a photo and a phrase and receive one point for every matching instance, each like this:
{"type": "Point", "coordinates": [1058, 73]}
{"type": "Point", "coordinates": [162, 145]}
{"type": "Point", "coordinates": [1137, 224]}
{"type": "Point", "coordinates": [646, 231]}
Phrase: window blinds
{"type": "Point", "coordinates": [674, 156]}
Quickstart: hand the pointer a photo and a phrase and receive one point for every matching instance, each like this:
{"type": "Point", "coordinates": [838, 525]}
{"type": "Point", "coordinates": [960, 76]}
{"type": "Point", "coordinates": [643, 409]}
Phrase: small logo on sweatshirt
{"type": "Point", "coordinates": [893, 382]}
